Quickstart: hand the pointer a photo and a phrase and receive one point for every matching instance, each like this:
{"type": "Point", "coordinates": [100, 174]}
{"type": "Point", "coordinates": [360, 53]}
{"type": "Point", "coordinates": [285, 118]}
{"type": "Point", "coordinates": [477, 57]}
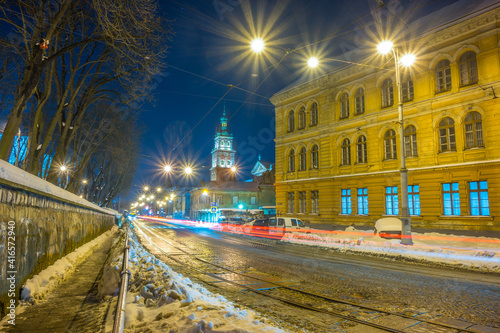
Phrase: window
{"type": "Point", "coordinates": [391, 200]}
{"type": "Point", "coordinates": [302, 118]}
{"type": "Point", "coordinates": [314, 114]}
{"type": "Point", "coordinates": [314, 157]}
{"type": "Point", "coordinates": [302, 202]}
{"type": "Point", "coordinates": [451, 199]}
{"type": "Point", "coordinates": [219, 200]}
{"type": "Point", "coordinates": [363, 201]}
{"type": "Point", "coordinates": [359, 97]}
{"type": "Point", "coordinates": [443, 76]}
{"type": "Point", "coordinates": [413, 199]}
{"type": "Point", "coordinates": [291, 121]}
{"type": "Point", "coordinates": [291, 202]}
{"type": "Point", "coordinates": [315, 202]}
{"type": "Point", "coordinates": [407, 88]}
{"type": "Point", "coordinates": [235, 200]}
{"type": "Point", "coordinates": [361, 149]}
{"type": "Point", "coordinates": [468, 68]}
{"type": "Point", "coordinates": [346, 207]}
{"type": "Point", "coordinates": [222, 162]}
{"type": "Point", "coordinates": [387, 93]}
{"type": "Point", "coordinates": [291, 161]}
{"type": "Point", "coordinates": [252, 201]}
{"type": "Point", "coordinates": [473, 130]}
{"type": "Point", "coordinates": [344, 106]}
{"type": "Point", "coordinates": [478, 196]}
{"type": "Point", "coordinates": [346, 152]}
{"type": "Point", "coordinates": [410, 137]}
{"type": "Point", "coordinates": [390, 145]}
{"type": "Point", "coordinates": [447, 135]}
{"type": "Point", "coordinates": [302, 159]}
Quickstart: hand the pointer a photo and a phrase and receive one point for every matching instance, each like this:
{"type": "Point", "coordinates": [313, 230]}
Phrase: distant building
{"type": "Point", "coordinates": [261, 167]}
{"type": "Point", "coordinates": [338, 137]}
{"type": "Point", "coordinates": [224, 197]}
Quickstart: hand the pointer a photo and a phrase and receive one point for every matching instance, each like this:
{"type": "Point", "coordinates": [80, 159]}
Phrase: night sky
{"type": "Point", "coordinates": [210, 50]}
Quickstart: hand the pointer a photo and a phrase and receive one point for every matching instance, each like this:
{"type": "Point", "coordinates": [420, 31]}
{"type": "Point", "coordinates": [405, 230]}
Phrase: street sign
{"type": "Point", "coordinates": [214, 207]}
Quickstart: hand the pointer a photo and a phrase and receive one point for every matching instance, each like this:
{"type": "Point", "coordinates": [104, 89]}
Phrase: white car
{"type": "Point", "coordinates": [388, 227]}
{"type": "Point", "coordinates": [281, 225]}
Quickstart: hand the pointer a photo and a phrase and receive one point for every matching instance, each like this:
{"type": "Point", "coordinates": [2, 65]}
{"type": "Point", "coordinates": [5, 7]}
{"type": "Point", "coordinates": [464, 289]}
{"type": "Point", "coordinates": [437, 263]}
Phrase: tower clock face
{"type": "Point", "coordinates": [224, 124]}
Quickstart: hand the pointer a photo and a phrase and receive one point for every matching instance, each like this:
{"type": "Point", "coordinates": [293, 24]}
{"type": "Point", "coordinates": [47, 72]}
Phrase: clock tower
{"type": "Point", "coordinates": [223, 153]}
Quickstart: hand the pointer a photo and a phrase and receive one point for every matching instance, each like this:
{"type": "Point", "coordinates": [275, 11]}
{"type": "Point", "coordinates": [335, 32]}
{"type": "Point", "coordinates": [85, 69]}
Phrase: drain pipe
{"type": "Point", "coordinates": [119, 323]}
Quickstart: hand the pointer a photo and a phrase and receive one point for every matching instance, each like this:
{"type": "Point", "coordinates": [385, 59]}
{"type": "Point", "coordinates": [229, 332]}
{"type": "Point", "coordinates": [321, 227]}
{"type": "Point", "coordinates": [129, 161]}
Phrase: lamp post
{"type": "Point", "coordinates": [406, 60]}
{"type": "Point", "coordinates": [64, 169]}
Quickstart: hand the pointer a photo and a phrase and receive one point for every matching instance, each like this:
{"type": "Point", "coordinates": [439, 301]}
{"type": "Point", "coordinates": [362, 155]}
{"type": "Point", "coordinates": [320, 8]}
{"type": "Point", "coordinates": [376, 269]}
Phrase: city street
{"type": "Point", "coordinates": [453, 298]}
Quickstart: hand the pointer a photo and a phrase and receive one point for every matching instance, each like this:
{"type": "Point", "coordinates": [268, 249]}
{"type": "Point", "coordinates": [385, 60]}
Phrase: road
{"type": "Point", "coordinates": [449, 296]}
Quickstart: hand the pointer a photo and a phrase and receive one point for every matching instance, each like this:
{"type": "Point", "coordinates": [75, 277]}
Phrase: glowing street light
{"type": "Point", "coordinates": [406, 60]}
{"type": "Point", "coordinates": [205, 192]}
{"type": "Point", "coordinates": [312, 62]}
{"type": "Point", "coordinates": [167, 168]}
{"type": "Point", "coordinates": [158, 189]}
{"type": "Point", "coordinates": [85, 181]}
{"type": "Point", "coordinates": [233, 169]}
{"type": "Point", "coordinates": [64, 168]}
{"type": "Point", "coordinates": [188, 170]}
{"type": "Point", "coordinates": [146, 188]}
{"type": "Point", "coordinates": [257, 45]}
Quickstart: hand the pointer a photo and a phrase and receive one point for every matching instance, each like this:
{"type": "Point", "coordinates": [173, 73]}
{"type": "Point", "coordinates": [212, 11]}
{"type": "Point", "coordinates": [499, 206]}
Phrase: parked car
{"type": "Point", "coordinates": [280, 225]}
{"type": "Point", "coordinates": [388, 227]}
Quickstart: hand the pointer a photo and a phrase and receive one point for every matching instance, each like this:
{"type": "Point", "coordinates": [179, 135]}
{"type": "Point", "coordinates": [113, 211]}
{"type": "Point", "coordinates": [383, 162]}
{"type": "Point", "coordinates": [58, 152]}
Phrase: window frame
{"type": "Point", "coordinates": [407, 92]}
{"type": "Point", "coordinates": [303, 159]}
{"type": "Point", "coordinates": [291, 121]}
{"type": "Point", "coordinates": [315, 202]}
{"type": "Point", "coordinates": [410, 141]}
{"type": "Point", "coordinates": [313, 114]}
{"type": "Point", "coordinates": [483, 203]}
{"type": "Point", "coordinates": [475, 133]}
{"type": "Point", "coordinates": [390, 145]}
{"type": "Point", "coordinates": [391, 201]}
{"type": "Point", "coordinates": [362, 200]}
{"type": "Point", "coordinates": [345, 201]}
{"type": "Point", "coordinates": [442, 73]}
{"type": "Point", "coordinates": [302, 202]}
{"type": "Point", "coordinates": [346, 152]}
{"type": "Point", "coordinates": [467, 68]}
{"type": "Point", "coordinates": [359, 101]}
{"type": "Point", "coordinates": [414, 200]}
{"type": "Point", "coordinates": [454, 197]}
{"type": "Point", "coordinates": [361, 150]}
{"type": "Point", "coordinates": [315, 157]}
{"type": "Point", "coordinates": [344, 106]}
{"type": "Point", "coordinates": [291, 202]}
{"type": "Point", "coordinates": [302, 118]}
{"type": "Point", "coordinates": [387, 92]}
{"type": "Point", "coordinates": [291, 160]}
{"type": "Point", "coordinates": [446, 130]}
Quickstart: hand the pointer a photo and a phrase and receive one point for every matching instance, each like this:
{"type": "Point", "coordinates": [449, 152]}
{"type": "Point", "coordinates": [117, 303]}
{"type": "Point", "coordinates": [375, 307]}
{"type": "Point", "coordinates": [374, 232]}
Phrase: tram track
{"type": "Point", "coordinates": [288, 294]}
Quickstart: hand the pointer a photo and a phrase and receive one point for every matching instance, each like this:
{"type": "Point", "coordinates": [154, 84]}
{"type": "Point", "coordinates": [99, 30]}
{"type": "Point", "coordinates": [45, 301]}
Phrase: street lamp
{"type": "Point", "coordinates": [64, 169]}
{"type": "Point", "coordinates": [167, 168]}
{"type": "Point", "coordinates": [312, 62]}
{"type": "Point", "coordinates": [188, 170]}
{"type": "Point", "coordinates": [257, 45]}
{"type": "Point", "coordinates": [406, 60]}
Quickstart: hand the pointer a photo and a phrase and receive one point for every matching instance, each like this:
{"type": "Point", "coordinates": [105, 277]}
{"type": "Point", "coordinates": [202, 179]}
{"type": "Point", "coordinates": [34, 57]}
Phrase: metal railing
{"type": "Point", "coordinates": [119, 322]}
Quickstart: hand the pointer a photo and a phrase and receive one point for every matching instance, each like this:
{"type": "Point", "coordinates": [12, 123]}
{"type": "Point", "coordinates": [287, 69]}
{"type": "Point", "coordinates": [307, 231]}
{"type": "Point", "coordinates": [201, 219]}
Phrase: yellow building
{"type": "Point", "coordinates": [338, 141]}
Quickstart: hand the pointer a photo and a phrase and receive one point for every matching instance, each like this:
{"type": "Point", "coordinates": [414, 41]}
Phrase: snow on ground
{"type": "Point", "coordinates": [36, 287]}
{"type": "Point", "coordinates": [474, 253]}
{"type": "Point", "coordinates": [163, 300]}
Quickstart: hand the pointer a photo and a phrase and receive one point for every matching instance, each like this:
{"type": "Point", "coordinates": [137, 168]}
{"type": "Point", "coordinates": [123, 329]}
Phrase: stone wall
{"type": "Point", "coordinates": [46, 229]}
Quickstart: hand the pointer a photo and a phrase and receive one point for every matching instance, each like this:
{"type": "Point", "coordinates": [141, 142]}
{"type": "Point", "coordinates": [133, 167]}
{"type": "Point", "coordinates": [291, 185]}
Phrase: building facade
{"type": "Point", "coordinates": [338, 141]}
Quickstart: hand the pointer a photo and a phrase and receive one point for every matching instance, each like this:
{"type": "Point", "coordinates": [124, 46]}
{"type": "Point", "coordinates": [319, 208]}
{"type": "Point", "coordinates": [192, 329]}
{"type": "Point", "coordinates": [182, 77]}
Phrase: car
{"type": "Point", "coordinates": [280, 225]}
{"type": "Point", "coordinates": [256, 226]}
{"type": "Point", "coordinates": [388, 227]}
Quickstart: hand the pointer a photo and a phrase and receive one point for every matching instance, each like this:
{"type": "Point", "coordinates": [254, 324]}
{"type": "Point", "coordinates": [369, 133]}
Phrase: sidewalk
{"type": "Point", "coordinates": [72, 305]}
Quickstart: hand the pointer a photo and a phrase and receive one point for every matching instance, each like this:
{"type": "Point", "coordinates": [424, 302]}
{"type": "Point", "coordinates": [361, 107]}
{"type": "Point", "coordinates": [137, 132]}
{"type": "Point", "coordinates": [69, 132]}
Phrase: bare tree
{"type": "Point", "coordinates": [64, 44]}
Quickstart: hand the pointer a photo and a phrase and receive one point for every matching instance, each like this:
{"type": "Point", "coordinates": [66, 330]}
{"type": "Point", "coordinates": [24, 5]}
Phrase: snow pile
{"type": "Point", "coordinates": [474, 253]}
{"type": "Point", "coordinates": [52, 276]}
{"type": "Point", "coordinates": [163, 300]}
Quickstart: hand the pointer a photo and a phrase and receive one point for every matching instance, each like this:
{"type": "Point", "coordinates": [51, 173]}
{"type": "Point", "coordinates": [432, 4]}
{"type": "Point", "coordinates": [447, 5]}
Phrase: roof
{"type": "Point", "coordinates": [430, 20]}
{"type": "Point", "coordinates": [231, 186]}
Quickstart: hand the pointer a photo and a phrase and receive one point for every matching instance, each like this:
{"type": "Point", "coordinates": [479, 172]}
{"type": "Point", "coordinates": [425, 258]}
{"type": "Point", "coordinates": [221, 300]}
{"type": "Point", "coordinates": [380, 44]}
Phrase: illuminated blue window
{"type": "Point", "coordinates": [391, 200]}
{"type": "Point", "coordinates": [363, 201]}
{"type": "Point", "coordinates": [414, 199]}
{"type": "Point", "coordinates": [479, 202]}
{"type": "Point", "coordinates": [346, 201]}
{"type": "Point", "coordinates": [451, 199]}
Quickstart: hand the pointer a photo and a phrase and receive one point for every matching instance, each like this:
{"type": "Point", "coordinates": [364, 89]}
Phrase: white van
{"type": "Point", "coordinates": [280, 225]}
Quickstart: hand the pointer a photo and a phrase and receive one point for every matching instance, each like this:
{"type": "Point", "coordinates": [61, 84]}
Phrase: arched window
{"type": "Point", "coordinates": [468, 68]}
{"type": "Point", "coordinates": [361, 149]}
{"type": "Point", "coordinates": [443, 76]}
{"type": "Point", "coordinates": [410, 137]}
{"type": "Point", "coordinates": [291, 121]}
{"type": "Point", "coordinates": [344, 106]}
{"type": "Point", "coordinates": [387, 93]}
{"type": "Point", "coordinates": [314, 157]}
{"type": "Point", "coordinates": [407, 88]}
{"type": "Point", "coordinates": [359, 97]}
{"type": "Point", "coordinates": [302, 159]}
{"type": "Point", "coordinates": [302, 118]}
{"type": "Point", "coordinates": [291, 161]}
{"type": "Point", "coordinates": [390, 145]}
{"type": "Point", "coordinates": [447, 135]}
{"type": "Point", "coordinates": [473, 130]}
{"type": "Point", "coordinates": [314, 114]}
{"type": "Point", "coordinates": [346, 152]}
